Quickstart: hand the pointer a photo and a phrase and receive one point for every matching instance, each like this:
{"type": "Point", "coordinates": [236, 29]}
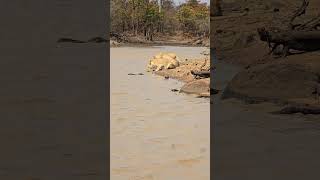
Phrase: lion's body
{"type": "Point", "coordinates": [163, 61]}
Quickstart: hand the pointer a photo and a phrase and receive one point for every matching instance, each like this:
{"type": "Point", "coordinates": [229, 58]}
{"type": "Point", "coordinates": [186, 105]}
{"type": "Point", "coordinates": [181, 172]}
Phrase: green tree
{"type": "Point", "coordinates": [194, 17]}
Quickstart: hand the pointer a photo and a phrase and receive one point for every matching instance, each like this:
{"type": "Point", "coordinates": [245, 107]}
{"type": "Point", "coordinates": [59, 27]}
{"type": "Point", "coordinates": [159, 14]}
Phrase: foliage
{"type": "Point", "coordinates": [145, 17]}
{"type": "Point", "coordinates": [194, 17]}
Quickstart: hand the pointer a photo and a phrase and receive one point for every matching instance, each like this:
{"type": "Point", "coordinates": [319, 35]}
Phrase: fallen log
{"type": "Point", "coordinates": [299, 12]}
{"type": "Point", "coordinates": [291, 40]}
{"type": "Point", "coordinates": [301, 37]}
{"type": "Point", "coordinates": [200, 74]}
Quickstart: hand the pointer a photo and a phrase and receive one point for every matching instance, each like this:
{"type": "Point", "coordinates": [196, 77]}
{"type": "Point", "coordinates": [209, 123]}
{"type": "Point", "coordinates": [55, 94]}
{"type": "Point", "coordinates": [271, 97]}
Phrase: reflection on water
{"type": "Point", "coordinates": [156, 134]}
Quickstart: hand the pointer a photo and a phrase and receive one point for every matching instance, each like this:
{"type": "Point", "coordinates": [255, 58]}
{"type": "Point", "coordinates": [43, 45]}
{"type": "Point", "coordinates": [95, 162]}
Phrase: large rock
{"type": "Point", "coordinates": [199, 87]}
{"type": "Point", "coordinates": [283, 81]}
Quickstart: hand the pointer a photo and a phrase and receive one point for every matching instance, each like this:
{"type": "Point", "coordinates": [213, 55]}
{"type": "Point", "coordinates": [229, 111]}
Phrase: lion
{"type": "Point", "coordinates": [163, 61]}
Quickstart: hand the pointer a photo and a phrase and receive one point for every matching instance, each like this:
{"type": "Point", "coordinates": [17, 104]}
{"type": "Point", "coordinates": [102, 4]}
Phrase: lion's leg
{"type": "Point", "coordinates": [170, 66]}
{"type": "Point", "coordinates": [160, 67]}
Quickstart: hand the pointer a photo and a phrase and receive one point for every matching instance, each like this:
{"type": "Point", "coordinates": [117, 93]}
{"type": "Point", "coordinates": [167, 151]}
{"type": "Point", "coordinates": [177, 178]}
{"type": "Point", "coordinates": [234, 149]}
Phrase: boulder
{"type": "Point", "coordinates": [199, 87]}
{"type": "Point", "coordinates": [278, 82]}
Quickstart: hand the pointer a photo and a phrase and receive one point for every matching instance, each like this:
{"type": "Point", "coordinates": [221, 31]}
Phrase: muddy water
{"type": "Point", "coordinates": [156, 134]}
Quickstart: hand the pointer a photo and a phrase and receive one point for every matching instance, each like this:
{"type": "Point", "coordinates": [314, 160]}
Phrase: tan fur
{"type": "Point", "coordinates": [163, 61]}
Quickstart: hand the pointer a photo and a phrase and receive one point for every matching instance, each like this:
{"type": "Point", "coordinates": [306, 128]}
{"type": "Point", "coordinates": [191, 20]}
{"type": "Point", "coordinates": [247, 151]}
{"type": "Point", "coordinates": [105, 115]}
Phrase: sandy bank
{"type": "Point", "coordinates": [200, 87]}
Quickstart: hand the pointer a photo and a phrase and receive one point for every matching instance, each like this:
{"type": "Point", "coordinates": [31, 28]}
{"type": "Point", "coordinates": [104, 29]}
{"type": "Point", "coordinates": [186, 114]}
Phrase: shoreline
{"type": "Point", "coordinates": [151, 44]}
{"type": "Point", "coordinates": [164, 40]}
{"type": "Point", "coordinates": [289, 82]}
{"type": "Point", "coordinates": [182, 73]}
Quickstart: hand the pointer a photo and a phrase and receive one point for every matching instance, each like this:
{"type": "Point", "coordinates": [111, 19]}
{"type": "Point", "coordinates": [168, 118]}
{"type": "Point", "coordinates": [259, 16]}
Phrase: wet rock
{"type": "Point", "coordinates": [200, 87]}
{"type": "Point", "coordinates": [214, 91]}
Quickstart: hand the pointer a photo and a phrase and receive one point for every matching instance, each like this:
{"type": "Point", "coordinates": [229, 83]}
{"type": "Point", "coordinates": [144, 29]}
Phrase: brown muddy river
{"type": "Point", "coordinates": [156, 134]}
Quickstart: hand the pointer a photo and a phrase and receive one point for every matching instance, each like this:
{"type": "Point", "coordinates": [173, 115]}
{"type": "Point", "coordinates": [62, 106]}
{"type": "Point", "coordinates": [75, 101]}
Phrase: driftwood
{"type": "Point", "coordinates": [200, 74]}
{"type": "Point", "coordinates": [299, 12]}
{"type": "Point", "coordinates": [295, 40]}
{"type": "Point", "coordinates": [301, 37]}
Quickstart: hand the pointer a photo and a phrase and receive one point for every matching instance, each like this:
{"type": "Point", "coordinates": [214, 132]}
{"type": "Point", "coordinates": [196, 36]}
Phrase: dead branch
{"type": "Point", "coordinates": [301, 37]}
{"type": "Point", "coordinates": [310, 25]}
{"type": "Point", "coordinates": [291, 40]}
{"type": "Point", "coordinates": [299, 12]}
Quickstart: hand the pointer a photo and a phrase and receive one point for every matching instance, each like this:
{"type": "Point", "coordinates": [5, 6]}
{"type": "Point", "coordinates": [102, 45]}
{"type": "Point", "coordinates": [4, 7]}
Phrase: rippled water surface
{"type": "Point", "coordinates": [156, 134]}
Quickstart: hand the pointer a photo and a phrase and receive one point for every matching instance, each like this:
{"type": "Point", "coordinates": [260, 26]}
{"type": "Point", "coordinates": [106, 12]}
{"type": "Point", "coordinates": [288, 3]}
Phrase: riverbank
{"type": "Point", "coordinates": [289, 82]}
{"type": "Point", "coordinates": [199, 87]}
{"type": "Point", "coordinates": [159, 40]}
